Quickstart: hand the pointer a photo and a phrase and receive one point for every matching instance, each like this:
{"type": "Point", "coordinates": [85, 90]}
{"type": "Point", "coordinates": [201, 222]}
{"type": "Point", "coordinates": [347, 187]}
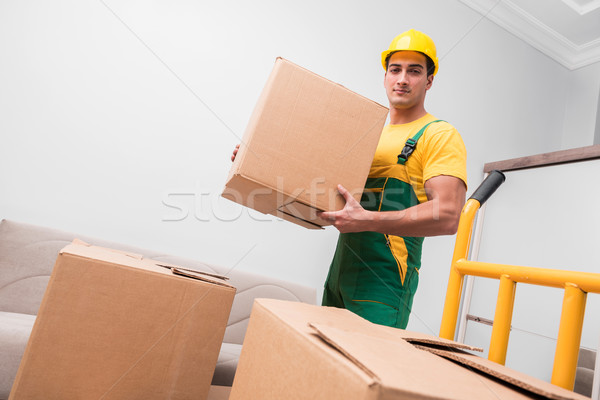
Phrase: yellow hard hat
{"type": "Point", "coordinates": [412, 40]}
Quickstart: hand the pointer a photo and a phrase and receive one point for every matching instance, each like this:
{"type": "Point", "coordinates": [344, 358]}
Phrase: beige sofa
{"type": "Point", "coordinates": [28, 253]}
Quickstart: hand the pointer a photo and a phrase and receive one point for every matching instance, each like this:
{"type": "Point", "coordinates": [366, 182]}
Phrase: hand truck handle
{"type": "Point", "coordinates": [488, 186]}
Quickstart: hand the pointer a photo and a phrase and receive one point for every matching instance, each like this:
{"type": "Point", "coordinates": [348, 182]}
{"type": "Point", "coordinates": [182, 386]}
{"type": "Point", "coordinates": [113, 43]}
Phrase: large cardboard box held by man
{"type": "Point", "coordinates": [305, 136]}
{"type": "Point", "coordinates": [297, 351]}
{"type": "Point", "coordinates": [114, 325]}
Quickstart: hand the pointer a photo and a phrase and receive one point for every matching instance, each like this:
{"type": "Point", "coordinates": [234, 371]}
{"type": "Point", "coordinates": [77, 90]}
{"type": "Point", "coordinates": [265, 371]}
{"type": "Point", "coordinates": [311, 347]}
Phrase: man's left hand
{"type": "Point", "coordinates": [352, 218]}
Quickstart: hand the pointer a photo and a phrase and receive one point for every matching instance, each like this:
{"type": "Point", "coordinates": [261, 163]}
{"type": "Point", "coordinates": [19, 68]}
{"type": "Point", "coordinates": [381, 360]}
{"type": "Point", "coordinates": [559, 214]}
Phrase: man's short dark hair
{"type": "Point", "coordinates": [429, 64]}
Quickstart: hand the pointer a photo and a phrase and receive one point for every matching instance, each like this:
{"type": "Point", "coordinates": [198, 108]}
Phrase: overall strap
{"type": "Point", "coordinates": [411, 143]}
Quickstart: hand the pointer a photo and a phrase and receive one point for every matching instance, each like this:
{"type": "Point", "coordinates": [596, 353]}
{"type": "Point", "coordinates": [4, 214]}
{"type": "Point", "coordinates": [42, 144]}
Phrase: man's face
{"type": "Point", "coordinates": [406, 80]}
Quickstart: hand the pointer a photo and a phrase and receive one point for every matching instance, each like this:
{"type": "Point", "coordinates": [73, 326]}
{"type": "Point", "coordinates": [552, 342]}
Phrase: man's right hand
{"type": "Point", "coordinates": [235, 151]}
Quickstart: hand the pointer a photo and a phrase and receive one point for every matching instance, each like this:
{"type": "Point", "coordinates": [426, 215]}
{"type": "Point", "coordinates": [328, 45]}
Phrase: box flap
{"type": "Point", "coordinates": [295, 219]}
{"type": "Point", "coordinates": [194, 271]}
{"type": "Point", "coordinates": [134, 260]}
{"type": "Point", "coordinates": [206, 277]}
{"type": "Point", "coordinates": [109, 255]}
{"type": "Point", "coordinates": [304, 212]}
{"type": "Point", "coordinates": [80, 242]}
{"type": "Point", "coordinates": [252, 193]}
{"type": "Point", "coordinates": [403, 369]}
{"type": "Point", "coordinates": [331, 336]}
{"type": "Point", "coordinates": [508, 375]}
{"type": "Point", "coordinates": [391, 333]}
{"type": "Point", "coordinates": [261, 197]}
{"type": "Point", "coordinates": [424, 339]}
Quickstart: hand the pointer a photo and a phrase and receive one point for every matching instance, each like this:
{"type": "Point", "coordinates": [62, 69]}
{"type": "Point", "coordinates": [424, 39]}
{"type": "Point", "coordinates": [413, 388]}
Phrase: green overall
{"type": "Point", "coordinates": [373, 274]}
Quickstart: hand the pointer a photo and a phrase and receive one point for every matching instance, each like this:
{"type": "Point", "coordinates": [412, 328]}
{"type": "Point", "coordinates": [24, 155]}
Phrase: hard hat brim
{"type": "Point", "coordinates": [387, 53]}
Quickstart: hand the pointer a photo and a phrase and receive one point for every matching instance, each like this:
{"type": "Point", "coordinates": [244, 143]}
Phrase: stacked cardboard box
{"type": "Point", "coordinates": [298, 351]}
{"type": "Point", "coordinates": [114, 325]}
{"type": "Point", "coordinates": [306, 136]}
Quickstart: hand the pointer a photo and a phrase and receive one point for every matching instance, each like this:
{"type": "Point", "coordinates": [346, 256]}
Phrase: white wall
{"type": "Point", "coordinates": [117, 119]}
{"type": "Point", "coordinates": [597, 130]}
{"type": "Point", "coordinates": [579, 125]}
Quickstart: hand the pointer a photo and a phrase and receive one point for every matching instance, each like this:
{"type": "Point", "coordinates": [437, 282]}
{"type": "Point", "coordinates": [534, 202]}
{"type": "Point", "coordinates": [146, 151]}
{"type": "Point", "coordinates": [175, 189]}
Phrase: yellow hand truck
{"type": "Point", "coordinates": [575, 284]}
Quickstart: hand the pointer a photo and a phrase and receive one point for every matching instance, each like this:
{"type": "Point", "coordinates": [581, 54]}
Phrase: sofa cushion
{"type": "Point", "coordinates": [14, 333]}
{"type": "Point", "coordinates": [227, 364]}
{"type": "Point", "coordinates": [26, 260]}
{"type": "Point", "coordinates": [584, 377]}
{"type": "Point", "coordinates": [27, 256]}
{"type": "Point", "coordinates": [584, 381]}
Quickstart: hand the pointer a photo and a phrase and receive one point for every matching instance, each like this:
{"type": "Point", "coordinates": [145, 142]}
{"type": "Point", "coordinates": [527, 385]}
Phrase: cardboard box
{"type": "Point", "coordinates": [114, 325]}
{"type": "Point", "coordinates": [299, 351]}
{"type": "Point", "coordinates": [306, 136]}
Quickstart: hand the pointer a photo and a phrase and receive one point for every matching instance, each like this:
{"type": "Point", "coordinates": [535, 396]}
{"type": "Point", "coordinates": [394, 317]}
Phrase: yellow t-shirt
{"type": "Point", "coordinates": [440, 151]}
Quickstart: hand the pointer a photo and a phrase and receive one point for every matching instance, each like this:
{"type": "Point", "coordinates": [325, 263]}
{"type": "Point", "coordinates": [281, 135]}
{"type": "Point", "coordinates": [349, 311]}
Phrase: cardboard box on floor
{"type": "Point", "coordinates": [299, 351]}
{"type": "Point", "coordinates": [114, 325]}
{"type": "Point", "coordinates": [305, 136]}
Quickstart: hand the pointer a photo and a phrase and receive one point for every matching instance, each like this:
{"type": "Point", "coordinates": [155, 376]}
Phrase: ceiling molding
{"type": "Point", "coordinates": [531, 30]}
{"type": "Point", "coordinates": [588, 6]}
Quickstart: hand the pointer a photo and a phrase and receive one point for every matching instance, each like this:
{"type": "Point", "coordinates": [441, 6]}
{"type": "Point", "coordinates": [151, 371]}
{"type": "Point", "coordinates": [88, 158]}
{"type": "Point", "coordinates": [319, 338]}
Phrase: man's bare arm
{"type": "Point", "coordinates": [437, 216]}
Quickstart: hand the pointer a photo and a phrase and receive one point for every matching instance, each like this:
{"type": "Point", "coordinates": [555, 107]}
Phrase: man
{"type": "Point", "coordinates": [416, 187]}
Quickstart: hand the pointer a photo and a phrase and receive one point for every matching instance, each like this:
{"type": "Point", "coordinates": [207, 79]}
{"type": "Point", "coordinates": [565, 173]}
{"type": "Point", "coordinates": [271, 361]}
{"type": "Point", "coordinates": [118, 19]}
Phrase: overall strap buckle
{"type": "Point", "coordinates": [411, 143]}
{"type": "Point", "coordinates": [407, 150]}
